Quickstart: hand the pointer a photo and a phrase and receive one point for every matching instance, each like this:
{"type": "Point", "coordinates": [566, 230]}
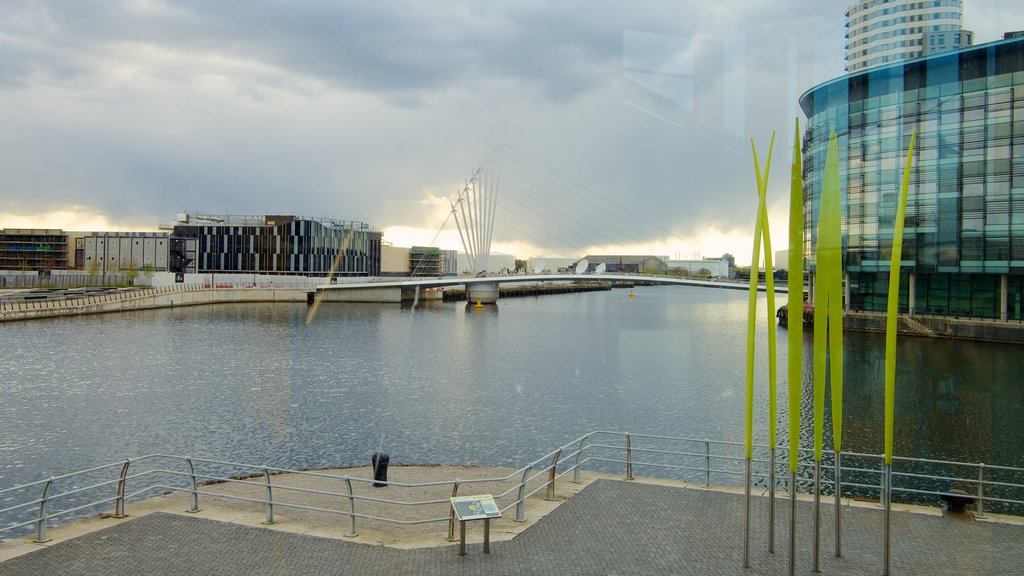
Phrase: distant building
{"type": "Point", "coordinates": [103, 252]}
{"type": "Point", "coordinates": [781, 261]}
{"type": "Point", "coordinates": [497, 263]}
{"type": "Point", "coordinates": [280, 245]}
{"type": "Point", "coordinates": [715, 267]}
{"type": "Point", "coordinates": [626, 264]}
{"type": "Point", "coordinates": [882, 32]}
{"type": "Point", "coordinates": [550, 264]}
{"type": "Point", "coordinates": [33, 249]}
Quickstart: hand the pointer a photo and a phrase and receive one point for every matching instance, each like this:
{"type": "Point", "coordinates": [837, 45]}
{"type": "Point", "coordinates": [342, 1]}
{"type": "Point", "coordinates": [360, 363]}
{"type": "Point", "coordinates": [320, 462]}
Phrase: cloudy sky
{"type": "Point", "coordinates": [604, 126]}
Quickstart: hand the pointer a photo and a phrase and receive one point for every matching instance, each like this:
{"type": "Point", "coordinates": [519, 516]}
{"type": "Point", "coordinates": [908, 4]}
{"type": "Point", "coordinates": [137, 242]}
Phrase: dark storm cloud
{"type": "Point", "coordinates": [359, 110]}
{"type": "Point", "coordinates": [389, 47]}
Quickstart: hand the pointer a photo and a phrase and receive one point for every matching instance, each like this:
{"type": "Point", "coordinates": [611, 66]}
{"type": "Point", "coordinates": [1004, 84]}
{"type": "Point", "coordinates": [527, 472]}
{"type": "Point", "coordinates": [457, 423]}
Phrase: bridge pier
{"type": "Point", "coordinates": [486, 293]}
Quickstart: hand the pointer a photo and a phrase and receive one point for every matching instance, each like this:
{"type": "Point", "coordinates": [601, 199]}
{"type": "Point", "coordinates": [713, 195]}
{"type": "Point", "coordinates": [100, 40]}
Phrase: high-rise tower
{"type": "Point", "coordinates": [887, 31]}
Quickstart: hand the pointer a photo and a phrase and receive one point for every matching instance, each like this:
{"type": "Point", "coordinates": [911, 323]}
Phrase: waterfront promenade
{"type": "Point", "coordinates": [602, 526]}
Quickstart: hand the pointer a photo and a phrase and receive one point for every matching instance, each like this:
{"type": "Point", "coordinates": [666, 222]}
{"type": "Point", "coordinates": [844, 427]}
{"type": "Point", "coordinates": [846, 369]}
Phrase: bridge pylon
{"type": "Point", "coordinates": [474, 211]}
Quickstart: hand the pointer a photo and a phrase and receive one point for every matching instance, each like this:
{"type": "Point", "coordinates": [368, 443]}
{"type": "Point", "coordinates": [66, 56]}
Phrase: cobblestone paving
{"type": "Point", "coordinates": [611, 527]}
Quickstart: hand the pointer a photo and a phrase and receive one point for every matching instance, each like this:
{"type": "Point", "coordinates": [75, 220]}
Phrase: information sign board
{"type": "Point", "coordinates": [475, 507]}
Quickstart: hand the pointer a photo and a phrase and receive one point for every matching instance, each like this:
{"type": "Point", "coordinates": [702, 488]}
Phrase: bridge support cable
{"type": "Point", "coordinates": [619, 209]}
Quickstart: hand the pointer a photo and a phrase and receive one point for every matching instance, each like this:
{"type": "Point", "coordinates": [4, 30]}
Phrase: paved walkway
{"type": "Point", "coordinates": [610, 527]}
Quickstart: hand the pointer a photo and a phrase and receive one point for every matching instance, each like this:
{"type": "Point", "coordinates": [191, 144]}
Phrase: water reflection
{"type": "Point", "coordinates": [447, 382]}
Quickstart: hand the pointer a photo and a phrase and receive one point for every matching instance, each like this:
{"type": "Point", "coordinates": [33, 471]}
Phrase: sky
{"type": "Point", "coordinates": [602, 127]}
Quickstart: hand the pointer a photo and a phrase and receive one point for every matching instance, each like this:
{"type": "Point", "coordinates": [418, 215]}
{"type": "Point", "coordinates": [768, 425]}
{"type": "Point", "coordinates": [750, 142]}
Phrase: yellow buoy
{"type": "Point", "coordinates": [478, 304]}
{"type": "Point", "coordinates": [631, 294]}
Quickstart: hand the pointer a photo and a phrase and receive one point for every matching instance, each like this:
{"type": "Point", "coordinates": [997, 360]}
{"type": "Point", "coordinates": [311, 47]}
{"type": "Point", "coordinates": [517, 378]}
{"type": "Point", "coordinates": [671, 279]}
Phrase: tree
{"type": "Point", "coordinates": [520, 264]}
{"type": "Point", "coordinates": [704, 273]}
{"type": "Point", "coordinates": [131, 272]}
{"type": "Point", "coordinates": [652, 271]}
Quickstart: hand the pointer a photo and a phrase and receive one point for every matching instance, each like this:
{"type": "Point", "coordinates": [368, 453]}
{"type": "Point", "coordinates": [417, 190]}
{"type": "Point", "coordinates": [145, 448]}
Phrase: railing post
{"type": "Point", "coordinates": [351, 510]}
{"type": "Point", "coordinates": [576, 468]}
{"type": "Point", "coordinates": [520, 498]}
{"type": "Point", "coordinates": [195, 489]}
{"type": "Point", "coordinates": [451, 513]}
{"type": "Point", "coordinates": [838, 474]}
{"type": "Point", "coordinates": [980, 507]}
{"type": "Point", "coordinates": [41, 522]}
{"type": "Point", "coordinates": [119, 502]}
{"type": "Point", "coordinates": [551, 476]}
{"type": "Point", "coordinates": [270, 497]}
{"type": "Point", "coordinates": [629, 458]}
{"type": "Point", "coordinates": [882, 488]}
{"type": "Point", "coordinates": [707, 464]}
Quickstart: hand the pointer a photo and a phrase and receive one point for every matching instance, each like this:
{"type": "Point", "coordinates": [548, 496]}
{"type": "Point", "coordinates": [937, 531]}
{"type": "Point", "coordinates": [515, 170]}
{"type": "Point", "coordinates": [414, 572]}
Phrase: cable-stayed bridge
{"type": "Point", "coordinates": [541, 197]}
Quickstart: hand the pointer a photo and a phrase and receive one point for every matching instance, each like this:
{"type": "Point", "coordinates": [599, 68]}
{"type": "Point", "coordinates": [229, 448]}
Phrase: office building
{"type": "Point", "coordinates": [963, 242]}
{"type": "Point", "coordinates": [279, 245]}
{"type": "Point", "coordinates": [880, 32]}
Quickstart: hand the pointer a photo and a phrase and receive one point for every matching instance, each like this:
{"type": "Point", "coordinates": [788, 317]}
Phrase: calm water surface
{"type": "Point", "coordinates": [446, 383]}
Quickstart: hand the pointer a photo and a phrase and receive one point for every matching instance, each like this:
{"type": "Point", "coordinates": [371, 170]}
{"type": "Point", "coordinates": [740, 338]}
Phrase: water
{"type": "Point", "coordinates": [447, 383]}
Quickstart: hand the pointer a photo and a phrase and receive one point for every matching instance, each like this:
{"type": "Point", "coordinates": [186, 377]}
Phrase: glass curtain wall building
{"type": "Point", "coordinates": [963, 244]}
{"type": "Point", "coordinates": [281, 245]}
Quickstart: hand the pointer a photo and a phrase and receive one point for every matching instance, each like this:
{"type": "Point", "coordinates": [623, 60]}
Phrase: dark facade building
{"type": "Point", "coordinates": [278, 245]}
{"type": "Point", "coordinates": [25, 249]}
{"type": "Point", "coordinates": [963, 243]}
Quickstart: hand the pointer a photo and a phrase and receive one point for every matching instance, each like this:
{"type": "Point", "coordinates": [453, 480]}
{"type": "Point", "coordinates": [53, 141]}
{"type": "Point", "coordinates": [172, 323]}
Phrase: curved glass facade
{"type": "Point", "coordinates": [963, 244]}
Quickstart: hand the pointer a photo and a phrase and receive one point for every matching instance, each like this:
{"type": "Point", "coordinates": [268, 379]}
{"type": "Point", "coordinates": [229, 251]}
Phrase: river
{"type": "Point", "coordinates": [448, 383]}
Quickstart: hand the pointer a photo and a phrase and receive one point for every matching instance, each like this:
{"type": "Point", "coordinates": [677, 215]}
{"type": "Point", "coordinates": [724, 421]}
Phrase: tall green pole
{"type": "Point", "coordinates": [831, 248]}
{"type": "Point", "coordinates": [761, 220]}
{"type": "Point", "coordinates": [891, 313]}
{"type": "Point", "coordinates": [794, 332]}
{"type": "Point", "coordinates": [827, 273]}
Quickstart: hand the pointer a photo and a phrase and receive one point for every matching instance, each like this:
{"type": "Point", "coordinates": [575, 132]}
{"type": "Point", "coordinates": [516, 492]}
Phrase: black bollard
{"type": "Point", "coordinates": [380, 468]}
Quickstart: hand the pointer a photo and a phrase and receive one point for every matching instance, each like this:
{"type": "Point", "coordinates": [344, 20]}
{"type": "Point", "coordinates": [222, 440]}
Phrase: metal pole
{"type": "Point", "coordinates": [629, 458]}
{"type": "Point", "coordinates": [119, 502]}
{"type": "Point", "coordinates": [550, 495]}
{"type": "Point", "coordinates": [576, 468]}
{"type": "Point", "coordinates": [792, 523]}
{"type": "Point", "coordinates": [839, 508]}
{"type": "Point", "coordinates": [270, 497]}
{"type": "Point", "coordinates": [707, 464]}
{"type": "Point", "coordinates": [351, 510]}
{"type": "Point", "coordinates": [771, 502]}
{"type": "Point", "coordinates": [41, 522]}
{"type": "Point", "coordinates": [980, 507]}
{"type": "Point", "coordinates": [451, 514]}
{"type": "Point", "coordinates": [195, 489]}
{"type": "Point", "coordinates": [887, 504]}
{"type": "Point", "coordinates": [746, 515]}
{"type": "Point", "coordinates": [520, 504]}
{"type": "Point", "coordinates": [817, 513]}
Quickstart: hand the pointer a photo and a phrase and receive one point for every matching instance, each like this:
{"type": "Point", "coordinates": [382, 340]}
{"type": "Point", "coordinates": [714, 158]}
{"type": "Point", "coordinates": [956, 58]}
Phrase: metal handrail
{"type": "Point", "coordinates": [572, 457]}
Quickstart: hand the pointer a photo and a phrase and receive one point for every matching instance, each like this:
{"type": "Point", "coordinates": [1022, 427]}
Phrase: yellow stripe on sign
{"type": "Point", "coordinates": [893, 303]}
{"type": "Point", "coordinates": [795, 303]}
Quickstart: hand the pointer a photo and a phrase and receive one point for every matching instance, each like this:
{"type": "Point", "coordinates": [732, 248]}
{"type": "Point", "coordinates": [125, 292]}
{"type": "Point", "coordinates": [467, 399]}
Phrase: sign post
{"type": "Point", "coordinates": [479, 507]}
